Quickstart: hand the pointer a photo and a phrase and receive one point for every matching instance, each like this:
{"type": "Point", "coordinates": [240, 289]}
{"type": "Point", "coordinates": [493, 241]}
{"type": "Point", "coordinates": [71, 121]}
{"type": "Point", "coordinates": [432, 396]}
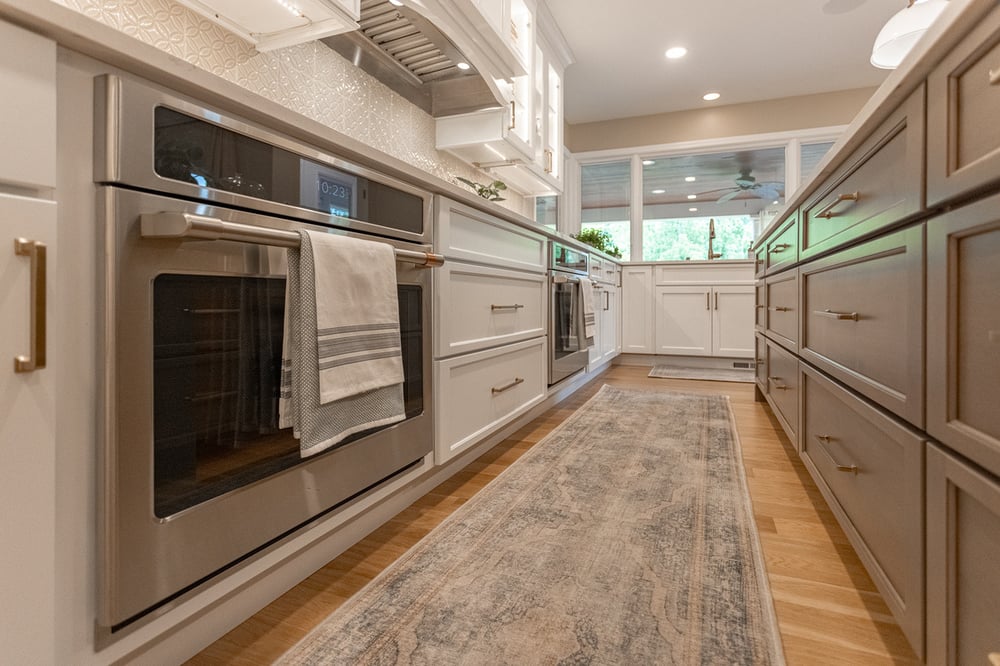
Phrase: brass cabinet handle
{"type": "Point", "coordinates": [708, 300]}
{"type": "Point", "coordinates": [506, 387]}
{"type": "Point", "coordinates": [759, 361]}
{"type": "Point", "coordinates": [852, 316]}
{"type": "Point", "coordinates": [515, 306]}
{"type": "Point", "coordinates": [780, 247]}
{"type": "Point", "coordinates": [827, 211]}
{"type": "Point", "coordinates": [513, 114]}
{"type": "Point", "coordinates": [853, 469]}
{"type": "Point", "coordinates": [36, 252]}
{"type": "Point", "coordinates": [716, 300]}
{"type": "Point", "coordinates": [548, 161]}
{"type": "Point", "coordinates": [760, 306]}
{"type": "Point", "coordinates": [995, 80]}
{"type": "Point", "coordinates": [779, 308]}
{"type": "Point", "coordinates": [780, 387]}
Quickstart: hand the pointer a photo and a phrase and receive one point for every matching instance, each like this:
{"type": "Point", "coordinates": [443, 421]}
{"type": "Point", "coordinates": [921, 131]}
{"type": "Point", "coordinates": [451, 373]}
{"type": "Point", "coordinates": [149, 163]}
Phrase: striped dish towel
{"type": "Point", "coordinates": [342, 367]}
{"type": "Point", "coordinates": [589, 318]}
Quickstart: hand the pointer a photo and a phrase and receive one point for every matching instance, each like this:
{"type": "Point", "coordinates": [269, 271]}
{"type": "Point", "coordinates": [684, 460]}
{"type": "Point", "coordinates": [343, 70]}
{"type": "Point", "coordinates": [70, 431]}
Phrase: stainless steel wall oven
{"type": "Point", "coordinates": [197, 209]}
{"type": "Point", "coordinates": [567, 342]}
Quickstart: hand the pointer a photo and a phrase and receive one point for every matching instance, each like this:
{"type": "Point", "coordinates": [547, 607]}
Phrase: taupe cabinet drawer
{"type": "Point", "coordinates": [963, 333]}
{"type": "Point", "coordinates": [882, 184]}
{"type": "Point", "coordinates": [963, 579]}
{"type": "Point", "coordinates": [782, 318]}
{"type": "Point", "coordinates": [478, 307]}
{"type": "Point", "coordinates": [760, 318]}
{"type": "Point", "coordinates": [862, 319]}
{"type": "Point", "coordinates": [782, 392]}
{"type": "Point", "coordinates": [782, 249]}
{"type": "Point", "coordinates": [963, 104]}
{"type": "Point", "coordinates": [760, 360]}
{"type": "Point", "coordinates": [870, 467]}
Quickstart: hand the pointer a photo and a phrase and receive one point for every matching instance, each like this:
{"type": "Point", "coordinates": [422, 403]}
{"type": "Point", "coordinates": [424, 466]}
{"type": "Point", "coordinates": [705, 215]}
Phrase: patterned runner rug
{"type": "Point", "coordinates": [625, 536]}
{"type": "Point", "coordinates": [711, 374]}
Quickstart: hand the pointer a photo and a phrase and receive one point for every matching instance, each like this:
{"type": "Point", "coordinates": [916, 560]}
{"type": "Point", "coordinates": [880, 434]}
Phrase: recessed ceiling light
{"type": "Point", "coordinates": [658, 191]}
{"type": "Point", "coordinates": [690, 179]}
{"type": "Point", "coordinates": [692, 196]}
{"type": "Point", "coordinates": [711, 97]}
{"type": "Point", "coordinates": [775, 202]}
{"type": "Point", "coordinates": [693, 210]}
{"type": "Point", "coordinates": [676, 52]}
{"type": "Point", "coordinates": [648, 162]}
{"type": "Point", "coordinates": [398, 3]}
{"type": "Point", "coordinates": [463, 65]}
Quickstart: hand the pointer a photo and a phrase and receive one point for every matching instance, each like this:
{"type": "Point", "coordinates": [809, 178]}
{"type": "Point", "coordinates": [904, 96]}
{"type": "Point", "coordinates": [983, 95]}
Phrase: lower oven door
{"type": "Point", "coordinates": [567, 342]}
{"type": "Point", "coordinates": [196, 473]}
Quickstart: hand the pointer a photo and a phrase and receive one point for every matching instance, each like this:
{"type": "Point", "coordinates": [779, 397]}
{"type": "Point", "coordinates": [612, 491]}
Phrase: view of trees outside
{"type": "Point", "coordinates": [687, 238]}
{"type": "Point", "coordinates": [620, 234]}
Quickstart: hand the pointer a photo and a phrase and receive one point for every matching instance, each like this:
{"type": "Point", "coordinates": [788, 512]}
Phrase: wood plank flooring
{"type": "Point", "coordinates": [828, 609]}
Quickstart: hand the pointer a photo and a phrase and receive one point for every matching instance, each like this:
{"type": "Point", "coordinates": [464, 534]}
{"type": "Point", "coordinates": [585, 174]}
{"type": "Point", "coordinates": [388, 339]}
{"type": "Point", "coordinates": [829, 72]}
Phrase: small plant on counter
{"type": "Point", "coordinates": [599, 239]}
{"type": "Point", "coordinates": [489, 192]}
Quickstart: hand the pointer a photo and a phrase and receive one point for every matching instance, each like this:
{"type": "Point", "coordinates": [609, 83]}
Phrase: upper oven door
{"type": "Point", "coordinates": [161, 142]}
{"type": "Point", "coordinates": [195, 471]}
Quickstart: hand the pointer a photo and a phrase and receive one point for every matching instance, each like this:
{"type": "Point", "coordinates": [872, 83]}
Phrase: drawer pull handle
{"type": "Point", "coordinates": [708, 300]}
{"type": "Point", "coordinates": [506, 387]}
{"type": "Point", "coordinates": [841, 316]}
{"type": "Point", "coordinates": [827, 211]}
{"type": "Point", "coordinates": [759, 361]}
{"type": "Point", "coordinates": [780, 247]}
{"type": "Point", "coordinates": [515, 306]}
{"type": "Point", "coordinates": [853, 469]}
{"type": "Point", "coordinates": [995, 80]}
{"type": "Point", "coordinates": [760, 306]}
{"type": "Point", "coordinates": [35, 251]}
{"type": "Point", "coordinates": [779, 308]}
{"type": "Point", "coordinates": [780, 387]}
{"type": "Point", "coordinates": [513, 115]}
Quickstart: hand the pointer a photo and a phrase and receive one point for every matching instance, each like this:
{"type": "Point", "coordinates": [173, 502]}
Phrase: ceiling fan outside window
{"type": "Point", "coordinates": [746, 183]}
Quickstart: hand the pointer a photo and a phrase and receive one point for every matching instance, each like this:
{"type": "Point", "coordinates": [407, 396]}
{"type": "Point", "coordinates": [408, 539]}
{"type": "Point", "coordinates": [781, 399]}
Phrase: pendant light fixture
{"type": "Point", "coordinates": [903, 30]}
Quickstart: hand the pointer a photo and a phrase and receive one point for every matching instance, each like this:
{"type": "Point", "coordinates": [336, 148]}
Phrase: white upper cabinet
{"type": "Point", "coordinates": [519, 142]}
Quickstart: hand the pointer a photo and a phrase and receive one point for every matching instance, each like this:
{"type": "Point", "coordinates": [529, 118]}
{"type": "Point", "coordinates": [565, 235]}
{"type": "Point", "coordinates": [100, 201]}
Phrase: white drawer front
{"type": "Point", "coordinates": [462, 232]}
{"type": "Point", "coordinates": [480, 307]}
{"type": "Point", "coordinates": [478, 393]}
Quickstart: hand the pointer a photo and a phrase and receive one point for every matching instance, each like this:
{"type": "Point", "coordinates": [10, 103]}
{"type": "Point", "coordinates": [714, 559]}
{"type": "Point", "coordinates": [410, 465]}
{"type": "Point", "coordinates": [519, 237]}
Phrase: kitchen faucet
{"type": "Point", "coordinates": [711, 237]}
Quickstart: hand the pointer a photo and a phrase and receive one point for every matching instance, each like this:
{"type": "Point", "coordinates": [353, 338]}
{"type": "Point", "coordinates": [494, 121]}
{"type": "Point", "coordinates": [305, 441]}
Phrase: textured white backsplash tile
{"type": "Point", "coordinates": [309, 78]}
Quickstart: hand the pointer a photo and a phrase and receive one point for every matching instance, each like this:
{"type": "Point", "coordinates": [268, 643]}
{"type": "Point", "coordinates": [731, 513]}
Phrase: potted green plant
{"type": "Point", "coordinates": [600, 239]}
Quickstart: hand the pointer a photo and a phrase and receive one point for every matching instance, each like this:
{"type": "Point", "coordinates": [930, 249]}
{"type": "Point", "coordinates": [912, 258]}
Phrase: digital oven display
{"type": "Point", "coordinates": [335, 196]}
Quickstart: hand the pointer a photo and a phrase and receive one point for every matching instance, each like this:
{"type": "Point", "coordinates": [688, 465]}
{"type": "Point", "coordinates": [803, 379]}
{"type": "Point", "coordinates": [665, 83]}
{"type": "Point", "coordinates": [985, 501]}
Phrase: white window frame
{"type": "Point", "coordinates": [791, 140]}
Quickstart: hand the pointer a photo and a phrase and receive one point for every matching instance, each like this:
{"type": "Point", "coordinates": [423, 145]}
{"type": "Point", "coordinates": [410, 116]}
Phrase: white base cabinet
{"type": "Point", "coordinates": [27, 442]}
{"type": "Point", "coordinates": [637, 302]}
{"type": "Point", "coordinates": [705, 321]}
{"type": "Point", "coordinates": [475, 394]}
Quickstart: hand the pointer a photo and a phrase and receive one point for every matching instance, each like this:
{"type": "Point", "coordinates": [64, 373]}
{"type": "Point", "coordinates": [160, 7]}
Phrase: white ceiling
{"type": "Point", "coordinates": [748, 50]}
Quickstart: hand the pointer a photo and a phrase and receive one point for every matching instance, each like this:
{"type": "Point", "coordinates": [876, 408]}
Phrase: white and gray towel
{"type": "Point", "coordinates": [589, 318]}
{"type": "Point", "coordinates": [341, 368]}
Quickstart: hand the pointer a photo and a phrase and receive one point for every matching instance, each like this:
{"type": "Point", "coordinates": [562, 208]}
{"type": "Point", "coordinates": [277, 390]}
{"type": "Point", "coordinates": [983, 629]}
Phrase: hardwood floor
{"type": "Point", "coordinates": [828, 609]}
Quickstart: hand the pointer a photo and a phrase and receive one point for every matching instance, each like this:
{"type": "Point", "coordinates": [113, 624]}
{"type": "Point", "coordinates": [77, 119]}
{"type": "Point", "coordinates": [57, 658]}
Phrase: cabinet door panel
{"type": "Point", "coordinates": [733, 321]}
{"type": "Point", "coordinates": [637, 310]}
{"type": "Point", "coordinates": [27, 444]}
{"type": "Point", "coordinates": [963, 580]}
{"type": "Point", "coordinates": [684, 321]}
{"type": "Point", "coordinates": [963, 338]}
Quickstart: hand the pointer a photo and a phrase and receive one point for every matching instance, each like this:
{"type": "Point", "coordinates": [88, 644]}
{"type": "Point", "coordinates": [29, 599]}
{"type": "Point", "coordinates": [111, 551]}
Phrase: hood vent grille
{"type": "Point", "coordinates": [409, 54]}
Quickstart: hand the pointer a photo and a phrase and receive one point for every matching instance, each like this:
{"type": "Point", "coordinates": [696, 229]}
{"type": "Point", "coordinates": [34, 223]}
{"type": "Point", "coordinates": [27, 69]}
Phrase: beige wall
{"type": "Point", "coordinates": [775, 115]}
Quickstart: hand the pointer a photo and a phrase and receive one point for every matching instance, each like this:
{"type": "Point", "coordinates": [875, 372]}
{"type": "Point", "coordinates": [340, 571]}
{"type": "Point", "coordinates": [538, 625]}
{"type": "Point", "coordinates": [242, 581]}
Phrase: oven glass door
{"type": "Point", "coordinates": [216, 371]}
{"type": "Point", "coordinates": [566, 308]}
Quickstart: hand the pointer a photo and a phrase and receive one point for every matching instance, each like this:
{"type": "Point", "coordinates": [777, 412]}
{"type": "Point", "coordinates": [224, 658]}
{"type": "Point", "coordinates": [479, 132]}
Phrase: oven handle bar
{"type": "Point", "coordinates": [185, 226]}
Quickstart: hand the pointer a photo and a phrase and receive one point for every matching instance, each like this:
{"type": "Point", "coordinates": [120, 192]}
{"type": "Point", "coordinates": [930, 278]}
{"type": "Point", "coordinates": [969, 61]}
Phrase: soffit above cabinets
{"type": "Point", "coordinates": [274, 24]}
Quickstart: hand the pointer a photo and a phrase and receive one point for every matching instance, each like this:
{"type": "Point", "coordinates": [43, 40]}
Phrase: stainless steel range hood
{"type": "Point", "coordinates": [405, 51]}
